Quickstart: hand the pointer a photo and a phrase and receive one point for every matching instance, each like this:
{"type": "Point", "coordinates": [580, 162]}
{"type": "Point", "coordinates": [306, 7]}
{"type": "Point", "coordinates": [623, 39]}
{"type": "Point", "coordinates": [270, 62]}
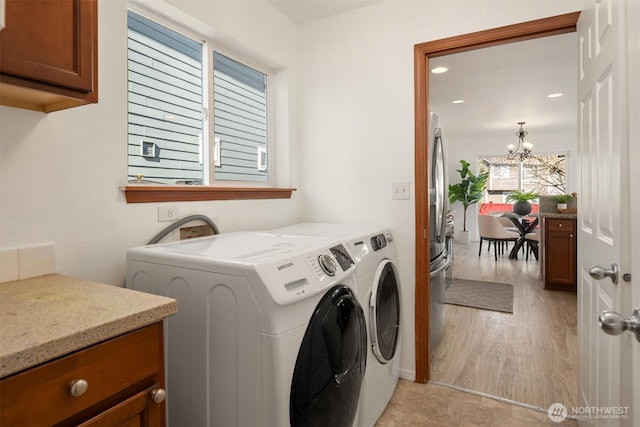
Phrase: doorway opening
{"type": "Point", "coordinates": [422, 53]}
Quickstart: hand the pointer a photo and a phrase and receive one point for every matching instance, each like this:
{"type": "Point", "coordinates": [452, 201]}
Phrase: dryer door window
{"type": "Point", "coordinates": [330, 366]}
{"type": "Point", "coordinates": [384, 314]}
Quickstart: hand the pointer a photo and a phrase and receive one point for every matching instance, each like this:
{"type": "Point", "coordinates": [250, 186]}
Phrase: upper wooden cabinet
{"type": "Point", "coordinates": [49, 54]}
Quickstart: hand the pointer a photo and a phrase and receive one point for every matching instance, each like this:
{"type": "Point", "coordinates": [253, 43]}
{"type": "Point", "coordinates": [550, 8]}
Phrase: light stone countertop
{"type": "Point", "coordinates": [49, 316]}
{"type": "Point", "coordinates": [557, 215]}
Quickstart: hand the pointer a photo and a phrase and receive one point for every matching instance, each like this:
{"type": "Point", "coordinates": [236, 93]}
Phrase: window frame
{"type": "Point", "coordinates": [521, 168]}
{"type": "Point", "coordinates": [213, 190]}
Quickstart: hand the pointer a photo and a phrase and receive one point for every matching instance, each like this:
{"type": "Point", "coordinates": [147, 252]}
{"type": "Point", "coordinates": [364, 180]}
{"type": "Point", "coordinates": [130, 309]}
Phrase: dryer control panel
{"type": "Point", "coordinates": [378, 242]}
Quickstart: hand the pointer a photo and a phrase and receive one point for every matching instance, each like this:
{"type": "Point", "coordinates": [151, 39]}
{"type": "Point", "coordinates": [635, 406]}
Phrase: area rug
{"type": "Point", "coordinates": [484, 295]}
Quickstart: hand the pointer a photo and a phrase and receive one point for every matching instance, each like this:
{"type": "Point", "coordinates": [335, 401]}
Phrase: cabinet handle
{"type": "Point", "coordinates": [560, 225]}
{"type": "Point", "coordinates": [570, 235]}
{"type": "Point", "coordinates": [158, 395]}
{"type": "Point", "coordinates": [78, 387]}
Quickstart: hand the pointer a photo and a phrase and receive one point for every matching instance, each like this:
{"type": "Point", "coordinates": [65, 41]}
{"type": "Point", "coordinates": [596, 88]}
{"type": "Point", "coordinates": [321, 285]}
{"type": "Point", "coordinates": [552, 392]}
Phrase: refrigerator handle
{"type": "Point", "coordinates": [441, 158]}
{"type": "Point", "coordinates": [440, 269]}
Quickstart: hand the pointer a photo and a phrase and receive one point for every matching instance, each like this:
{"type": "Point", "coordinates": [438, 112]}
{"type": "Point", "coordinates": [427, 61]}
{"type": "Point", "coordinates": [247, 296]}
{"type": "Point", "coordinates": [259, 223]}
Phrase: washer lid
{"type": "Point", "coordinates": [227, 253]}
{"type": "Point", "coordinates": [288, 267]}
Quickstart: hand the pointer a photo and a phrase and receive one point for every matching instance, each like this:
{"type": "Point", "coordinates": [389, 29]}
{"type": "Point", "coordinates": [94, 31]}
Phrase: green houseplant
{"type": "Point", "coordinates": [468, 191]}
{"type": "Point", "coordinates": [561, 200]}
{"type": "Point", "coordinates": [522, 201]}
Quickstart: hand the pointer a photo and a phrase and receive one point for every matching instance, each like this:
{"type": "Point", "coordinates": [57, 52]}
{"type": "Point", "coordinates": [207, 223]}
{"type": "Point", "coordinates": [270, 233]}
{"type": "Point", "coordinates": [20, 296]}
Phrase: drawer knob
{"type": "Point", "coordinates": [78, 387]}
{"type": "Point", "coordinates": [560, 225]}
{"type": "Point", "coordinates": [158, 395]}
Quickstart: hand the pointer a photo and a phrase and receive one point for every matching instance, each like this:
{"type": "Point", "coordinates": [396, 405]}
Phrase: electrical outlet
{"type": "Point", "coordinates": [168, 213]}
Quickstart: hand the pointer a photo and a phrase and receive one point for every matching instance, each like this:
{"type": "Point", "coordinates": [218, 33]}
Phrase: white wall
{"type": "Point", "coordinates": [350, 133]}
{"type": "Point", "coordinates": [471, 150]}
{"type": "Point", "coordinates": [357, 112]}
{"type": "Point", "coordinates": [61, 173]}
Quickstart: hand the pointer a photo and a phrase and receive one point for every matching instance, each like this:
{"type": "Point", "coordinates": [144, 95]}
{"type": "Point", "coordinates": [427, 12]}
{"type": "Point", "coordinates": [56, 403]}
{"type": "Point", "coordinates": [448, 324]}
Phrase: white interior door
{"type": "Point", "coordinates": [631, 383]}
{"type": "Point", "coordinates": [607, 392]}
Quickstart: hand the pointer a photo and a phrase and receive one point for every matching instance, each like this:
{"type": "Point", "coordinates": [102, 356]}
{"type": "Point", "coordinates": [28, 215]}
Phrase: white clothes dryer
{"type": "Point", "coordinates": [379, 293]}
{"type": "Point", "coordinates": [268, 330]}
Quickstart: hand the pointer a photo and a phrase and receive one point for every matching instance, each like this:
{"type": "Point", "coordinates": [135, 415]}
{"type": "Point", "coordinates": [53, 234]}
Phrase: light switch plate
{"type": "Point", "coordinates": [400, 190]}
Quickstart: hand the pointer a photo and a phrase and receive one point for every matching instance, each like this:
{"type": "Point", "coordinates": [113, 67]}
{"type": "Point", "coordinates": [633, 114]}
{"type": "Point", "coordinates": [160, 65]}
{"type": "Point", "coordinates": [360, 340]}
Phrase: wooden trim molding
{"type": "Point", "coordinates": [555, 25]}
{"type": "Point", "coordinates": [191, 193]}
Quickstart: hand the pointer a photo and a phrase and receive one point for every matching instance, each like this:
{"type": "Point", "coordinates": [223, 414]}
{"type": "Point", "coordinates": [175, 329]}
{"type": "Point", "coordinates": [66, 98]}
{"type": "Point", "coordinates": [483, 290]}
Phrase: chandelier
{"type": "Point", "coordinates": [514, 152]}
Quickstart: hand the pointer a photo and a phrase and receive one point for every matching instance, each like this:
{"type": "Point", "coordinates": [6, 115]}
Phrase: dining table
{"type": "Point", "coordinates": [524, 224]}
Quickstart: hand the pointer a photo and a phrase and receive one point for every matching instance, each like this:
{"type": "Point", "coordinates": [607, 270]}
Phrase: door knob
{"type": "Point", "coordinates": [600, 273]}
{"type": "Point", "coordinates": [614, 324]}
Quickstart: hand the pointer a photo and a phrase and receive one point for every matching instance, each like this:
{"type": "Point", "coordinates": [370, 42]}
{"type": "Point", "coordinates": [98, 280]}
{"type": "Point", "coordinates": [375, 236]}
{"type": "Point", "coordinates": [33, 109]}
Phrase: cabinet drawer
{"type": "Point", "coordinates": [42, 396]}
{"type": "Point", "coordinates": [560, 224]}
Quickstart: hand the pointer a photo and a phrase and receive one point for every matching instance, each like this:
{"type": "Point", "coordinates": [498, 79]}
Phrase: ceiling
{"type": "Point", "coordinates": [303, 11]}
{"type": "Point", "coordinates": [501, 85]}
{"type": "Point", "coordinates": [504, 85]}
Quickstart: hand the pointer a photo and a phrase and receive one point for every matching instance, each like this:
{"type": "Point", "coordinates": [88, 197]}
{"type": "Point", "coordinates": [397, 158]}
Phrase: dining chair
{"type": "Point", "coordinates": [508, 225]}
{"type": "Point", "coordinates": [533, 243]}
{"type": "Point", "coordinates": [491, 230]}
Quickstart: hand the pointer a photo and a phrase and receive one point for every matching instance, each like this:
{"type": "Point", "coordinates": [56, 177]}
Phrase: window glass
{"type": "Point", "coordinates": [165, 104]}
{"type": "Point", "coordinates": [168, 140]}
{"type": "Point", "coordinates": [544, 174]}
{"type": "Point", "coordinates": [240, 105]}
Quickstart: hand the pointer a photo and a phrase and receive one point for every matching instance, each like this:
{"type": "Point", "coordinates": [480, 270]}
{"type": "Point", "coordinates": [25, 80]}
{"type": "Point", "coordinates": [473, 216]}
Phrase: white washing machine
{"type": "Point", "coordinates": [268, 332]}
{"type": "Point", "coordinates": [379, 293]}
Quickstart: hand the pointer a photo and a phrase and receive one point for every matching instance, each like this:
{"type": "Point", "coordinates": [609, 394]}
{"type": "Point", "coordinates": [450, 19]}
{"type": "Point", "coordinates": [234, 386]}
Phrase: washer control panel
{"type": "Point", "coordinates": [327, 264]}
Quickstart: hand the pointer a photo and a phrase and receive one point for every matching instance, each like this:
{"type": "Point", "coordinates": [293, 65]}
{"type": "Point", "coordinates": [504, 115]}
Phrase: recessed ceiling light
{"type": "Point", "coordinates": [457, 101]}
{"type": "Point", "coordinates": [554, 95]}
{"type": "Point", "coordinates": [439, 70]}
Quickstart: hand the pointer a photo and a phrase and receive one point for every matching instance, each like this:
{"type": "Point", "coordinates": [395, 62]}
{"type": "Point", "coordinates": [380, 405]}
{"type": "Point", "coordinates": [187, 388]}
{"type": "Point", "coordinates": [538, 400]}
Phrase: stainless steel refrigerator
{"type": "Point", "coordinates": [438, 205]}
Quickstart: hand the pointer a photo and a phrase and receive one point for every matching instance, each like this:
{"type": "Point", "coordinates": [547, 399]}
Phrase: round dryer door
{"type": "Point", "coordinates": [384, 314]}
{"type": "Point", "coordinates": [326, 382]}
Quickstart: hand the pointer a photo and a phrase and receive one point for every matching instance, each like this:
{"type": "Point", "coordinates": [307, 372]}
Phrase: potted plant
{"type": "Point", "coordinates": [561, 200]}
{"type": "Point", "coordinates": [469, 191]}
{"type": "Point", "coordinates": [522, 201]}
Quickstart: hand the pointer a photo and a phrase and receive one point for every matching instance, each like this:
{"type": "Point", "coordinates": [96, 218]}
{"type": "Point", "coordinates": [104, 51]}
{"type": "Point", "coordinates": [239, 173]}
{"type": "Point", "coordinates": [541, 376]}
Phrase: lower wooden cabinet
{"type": "Point", "coordinates": [560, 253]}
{"type": "Point", "coordinates": [117, 382]}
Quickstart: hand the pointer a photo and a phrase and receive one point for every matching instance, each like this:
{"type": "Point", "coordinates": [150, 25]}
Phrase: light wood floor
{"type": "Point", "coordinates": [529, 356]}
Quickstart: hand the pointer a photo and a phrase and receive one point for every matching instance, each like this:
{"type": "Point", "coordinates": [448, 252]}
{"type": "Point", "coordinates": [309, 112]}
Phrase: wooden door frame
{"type": "Point", "coordinates": [551, 26]}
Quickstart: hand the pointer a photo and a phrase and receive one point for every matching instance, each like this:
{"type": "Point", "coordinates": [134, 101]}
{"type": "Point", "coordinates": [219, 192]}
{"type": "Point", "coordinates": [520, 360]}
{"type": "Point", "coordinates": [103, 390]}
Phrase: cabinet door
{"type": "Point", "coordinates": [51, 41]}
{"type": "Point", "coordinates": [138, 411]}
{"type": "Point", "coordinates": [561, 258]}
